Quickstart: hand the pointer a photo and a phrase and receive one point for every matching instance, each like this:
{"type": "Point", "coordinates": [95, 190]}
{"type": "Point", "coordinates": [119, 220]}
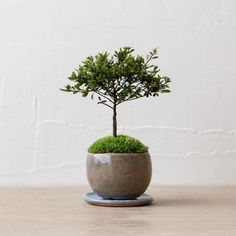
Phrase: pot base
{"type": "Point", "coordinates": [93, 199]}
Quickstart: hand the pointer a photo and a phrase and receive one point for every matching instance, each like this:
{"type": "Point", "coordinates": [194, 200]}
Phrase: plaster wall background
{"type": "Point", "coordinates": [44, 132]}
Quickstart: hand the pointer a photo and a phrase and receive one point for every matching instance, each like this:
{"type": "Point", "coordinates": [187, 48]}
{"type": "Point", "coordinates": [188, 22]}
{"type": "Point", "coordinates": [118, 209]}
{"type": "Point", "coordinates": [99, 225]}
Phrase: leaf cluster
{"type": "Point", "coordinates": [119, 77]}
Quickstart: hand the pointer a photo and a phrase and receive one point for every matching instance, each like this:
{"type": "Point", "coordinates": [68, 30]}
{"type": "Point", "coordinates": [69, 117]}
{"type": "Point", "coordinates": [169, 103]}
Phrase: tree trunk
{"type": "Point", "coordinates": [114, 121]}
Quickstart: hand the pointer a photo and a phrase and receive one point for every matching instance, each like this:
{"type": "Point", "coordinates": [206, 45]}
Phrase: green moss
{"type": "Point", "coordinates": [120, 144]}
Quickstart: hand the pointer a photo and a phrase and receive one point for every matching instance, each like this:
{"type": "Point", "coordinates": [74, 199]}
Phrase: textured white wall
{"type": "Point", "coordinates": [44, 133]}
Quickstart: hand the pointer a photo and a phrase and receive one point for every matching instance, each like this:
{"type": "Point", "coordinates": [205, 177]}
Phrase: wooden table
{"type": "Point", "coordinates": [184, 211]}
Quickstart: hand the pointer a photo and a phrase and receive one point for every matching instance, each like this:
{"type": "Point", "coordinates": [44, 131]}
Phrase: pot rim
{"type": "Point", "coordinates": [117, 153]}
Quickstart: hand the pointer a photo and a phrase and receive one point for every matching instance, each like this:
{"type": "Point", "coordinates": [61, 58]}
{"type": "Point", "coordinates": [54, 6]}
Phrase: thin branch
{"type": "Point", "coordinates": [136, 85]}
{"type": "Point", "coordinates": [105, 104]}
{"type": "Point", "coordinates": [120, 87]}
{"type": "Point", "coordinates": [130, 99]}
{"type": "Point", "coordinates": [100, 94]}
{"type": "Point", "coordinates": [150, 58]}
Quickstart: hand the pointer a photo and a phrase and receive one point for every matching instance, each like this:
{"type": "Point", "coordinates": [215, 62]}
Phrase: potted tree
{"type": "Point", "coordinates": [118, 166]}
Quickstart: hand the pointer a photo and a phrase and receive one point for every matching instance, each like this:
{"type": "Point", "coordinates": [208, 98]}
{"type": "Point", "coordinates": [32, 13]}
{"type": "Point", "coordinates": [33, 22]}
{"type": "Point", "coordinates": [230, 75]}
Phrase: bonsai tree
{"type": "Point", "coordinates": [118, 78]}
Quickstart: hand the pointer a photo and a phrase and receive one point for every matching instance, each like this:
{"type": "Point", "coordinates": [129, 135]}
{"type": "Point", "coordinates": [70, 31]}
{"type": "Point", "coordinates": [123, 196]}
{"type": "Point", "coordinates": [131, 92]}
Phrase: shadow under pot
{"type": "Point", "coordinates": [119, 175]}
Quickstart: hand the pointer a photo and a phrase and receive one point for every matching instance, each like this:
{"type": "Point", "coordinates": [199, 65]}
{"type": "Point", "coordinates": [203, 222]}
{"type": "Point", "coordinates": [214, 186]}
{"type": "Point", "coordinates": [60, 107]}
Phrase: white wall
{"type": "Point", "coordinates": [44, 133]}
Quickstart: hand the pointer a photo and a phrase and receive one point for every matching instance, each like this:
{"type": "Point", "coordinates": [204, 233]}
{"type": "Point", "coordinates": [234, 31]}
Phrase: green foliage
{"type": "Point", "coordinates": [119, 144]}
{"type": "Point", "coordinates": [118, 78]}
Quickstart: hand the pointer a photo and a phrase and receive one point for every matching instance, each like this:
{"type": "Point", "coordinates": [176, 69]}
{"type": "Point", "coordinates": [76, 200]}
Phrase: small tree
{"type": "Point", "coordinates": [118, 78]}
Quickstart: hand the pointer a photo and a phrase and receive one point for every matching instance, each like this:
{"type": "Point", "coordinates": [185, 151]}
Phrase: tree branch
{"type": "Point", "coordinates": [130, 99]}
{"type": "Point", "coordinates": [105, 104]}
{"type": "Point", "coordinates": [100, 94]}
{"type": "Point", "coordinates": [120, 87]}
{"type": "Point", "coordinates": [150, 58]}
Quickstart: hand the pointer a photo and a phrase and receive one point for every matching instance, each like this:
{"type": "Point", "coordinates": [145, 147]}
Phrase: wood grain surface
{"type": "Point", "coordinates": [185, 211]}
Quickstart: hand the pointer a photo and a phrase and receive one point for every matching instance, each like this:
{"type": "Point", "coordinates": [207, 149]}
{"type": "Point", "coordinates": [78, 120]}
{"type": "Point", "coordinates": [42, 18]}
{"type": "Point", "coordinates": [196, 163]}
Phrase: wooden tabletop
{"type": "Point", "coordinates": [184, 211]}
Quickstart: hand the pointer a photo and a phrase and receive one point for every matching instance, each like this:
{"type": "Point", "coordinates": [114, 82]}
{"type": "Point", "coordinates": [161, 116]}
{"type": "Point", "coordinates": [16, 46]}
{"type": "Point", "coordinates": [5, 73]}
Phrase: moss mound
{"type": "Point", "coordinates": [120, 144]}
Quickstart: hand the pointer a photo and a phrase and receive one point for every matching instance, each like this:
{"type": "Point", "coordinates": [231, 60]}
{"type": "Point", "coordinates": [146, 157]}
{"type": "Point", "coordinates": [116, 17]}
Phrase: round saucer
{"type": "Point", "coordinates": [93, 199]}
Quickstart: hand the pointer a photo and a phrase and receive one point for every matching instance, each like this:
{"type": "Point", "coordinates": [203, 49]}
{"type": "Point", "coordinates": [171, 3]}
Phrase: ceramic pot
{"type": "Point", "coordinates": [119, 175]}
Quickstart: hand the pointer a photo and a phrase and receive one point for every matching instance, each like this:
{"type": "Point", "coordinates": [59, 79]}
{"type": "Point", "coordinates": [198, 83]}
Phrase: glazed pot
{"type": "Point", "coordinates": [119, 175]}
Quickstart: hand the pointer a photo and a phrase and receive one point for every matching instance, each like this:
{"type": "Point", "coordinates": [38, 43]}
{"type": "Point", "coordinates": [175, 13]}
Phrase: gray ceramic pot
{"type": "Point", "coordinates": [119, 175]}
